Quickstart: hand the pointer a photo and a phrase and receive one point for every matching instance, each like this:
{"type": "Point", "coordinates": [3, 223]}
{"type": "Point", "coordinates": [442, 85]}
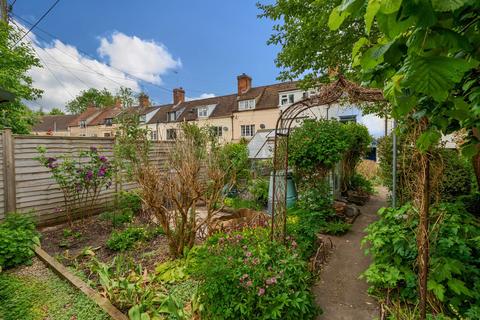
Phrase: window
{"type": "Point", "coordinates": [246, 104]}
{"type": "Point", "coordinates": [83, 124]}
{"type": "Point", "coordinates": [216, 131]}
{"type": "Point", "coordinates": [350, 118]}
{"type": "Point", "coordinates": [171, 134]}
{"type": "Point", "coordinates": [172, 116]}
{"type": "Point", "coordinates": [202, 112]}
{"type": "Point", "coordinates": [247, 130]}
{"type": "Point", "coordinates": [153, 135]}
{"type": "Point", "coordinates": [142, 118]}
{"type": "Point", "coordinates": [287, 99]}
{"type": "Point", "coordinates": [107, 134]}
{"type": "Point", "coordinates": [108, 122]}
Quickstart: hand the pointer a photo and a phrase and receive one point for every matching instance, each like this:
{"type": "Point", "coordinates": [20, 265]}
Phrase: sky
{"type": "Point", "coordinates": [147, 45]}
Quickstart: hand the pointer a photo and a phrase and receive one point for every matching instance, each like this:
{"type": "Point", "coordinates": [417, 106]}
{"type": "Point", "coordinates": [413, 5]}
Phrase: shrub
{"type": "Point", "coordinates": [118, 217]}
{"type": "Point", "coordinates": [17, 240]}
{"type": "Point", "coordinates": [471, 203]}
{"type": "Point", "coordinates": [359, 140]}
{"type": "Point", "coordinates": [244, 275]}
{"type": "Point", "coordinates": [361, 184]}
{"type": "Point", "coordinates": [258, 188]}
{"type": "Point", "coordinates": [239, 203]}
{"type": "Point", "coordinates": [124, 240]}
{"type": "Point", "coordinates": [316, 146]}
{"type": "Point", "coordinates": [454, 278]}
{"type": "Point", "coordinates": [457, 177]}
{"type": "Point", "coordinates": [234, 159]}
{"type": "Point", "coordinates": [130, 200]}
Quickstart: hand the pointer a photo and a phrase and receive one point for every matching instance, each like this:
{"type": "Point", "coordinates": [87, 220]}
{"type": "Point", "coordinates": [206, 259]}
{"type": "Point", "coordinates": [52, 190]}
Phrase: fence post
{"type": "Point", "coordinates": [9, 171]}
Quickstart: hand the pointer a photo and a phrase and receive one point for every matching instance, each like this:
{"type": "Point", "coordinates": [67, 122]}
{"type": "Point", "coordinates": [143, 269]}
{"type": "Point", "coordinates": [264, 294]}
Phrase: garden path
{"type": "Point", "coordinates": [340, 292]}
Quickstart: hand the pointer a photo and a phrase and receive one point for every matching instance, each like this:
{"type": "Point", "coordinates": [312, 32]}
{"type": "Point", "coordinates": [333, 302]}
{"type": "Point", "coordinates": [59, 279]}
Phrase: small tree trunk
{"type": "Point", "coordinates": [422, 236]}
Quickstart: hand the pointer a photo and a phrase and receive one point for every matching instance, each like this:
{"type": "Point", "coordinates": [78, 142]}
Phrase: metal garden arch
{"type": "Point", "coordinates": [326, 95]}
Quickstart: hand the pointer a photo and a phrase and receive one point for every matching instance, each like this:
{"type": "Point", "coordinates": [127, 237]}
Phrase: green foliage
{"type": "Point", "coordinates": [455, 177]}
{"type": "Point", "coordinates": [125, 239]}
{"type": "Point", "coordinates": [56, 112]}
{"type": "Point", "coordinates": [15, 64]}
{"type": "Point", "coordinates": [37, 297]}
{"type": "Point", "coordinates": [471, 203]}
{"type": "Point", "coordinates": [308, 47]}
{"type": "Point", "coordinates": [118, 217]}
{"type": "Point", "coordinates": [454, 279]}
{"type": "Point", "coordinates": [135, 291]}
{"type": "Point", "coordinates": [316, 146]}
{"type": "Point", "coordinates": [258, 188]}
{"type": "Point", "coordinates": [244, 275]}
{"type": "Point", "coordinates": [100, 99]}
{"type": "Point", "coordinates": [130, 200]}
{"type": "Point", "coordinates": [359, 140]}
{"type": "Point", "coordinates": [362, 184]}
{"type": "Point", "coordinates": [17, 240]}
{"type": "Point", "coordinates": [425, 57]}
{"type": "Point", "coordinates": [234, 159]}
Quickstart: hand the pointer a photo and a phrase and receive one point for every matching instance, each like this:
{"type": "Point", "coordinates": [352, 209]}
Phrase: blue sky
{"type": "Point", "coordinates": [211, 42]}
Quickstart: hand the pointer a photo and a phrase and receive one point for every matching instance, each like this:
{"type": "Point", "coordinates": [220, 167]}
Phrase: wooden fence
{"type": "Point", "coordinates": [27, 186]}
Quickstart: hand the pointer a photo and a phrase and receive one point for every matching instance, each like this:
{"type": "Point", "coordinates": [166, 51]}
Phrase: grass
{"type": "Point", "coordinates": [29, 297]}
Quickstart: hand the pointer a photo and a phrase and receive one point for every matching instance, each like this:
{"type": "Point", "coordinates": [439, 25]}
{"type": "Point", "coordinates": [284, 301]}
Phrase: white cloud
{"type": "Point", "coordinates": [66, 71]}
{"type": "Point", "coordinates": [145, 59]}
{"type": "Point", "coordinates": [202, 96]}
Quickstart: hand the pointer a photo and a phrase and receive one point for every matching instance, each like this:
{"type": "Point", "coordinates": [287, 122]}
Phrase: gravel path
{"type": "Point", "coordinates": [340, 292]}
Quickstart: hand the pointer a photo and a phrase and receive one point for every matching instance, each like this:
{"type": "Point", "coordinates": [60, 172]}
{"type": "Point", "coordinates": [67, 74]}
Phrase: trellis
{"type": "Point", "coordinates": [327, 94]}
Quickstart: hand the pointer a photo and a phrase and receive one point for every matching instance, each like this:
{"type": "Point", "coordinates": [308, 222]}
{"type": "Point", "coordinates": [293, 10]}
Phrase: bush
{"type": "Point", "coordinates": [359, 140]}
{"type": "Point", "coordinates": [258, 188]}
{"type": "Point", "coordinates": [457, 177]}
{"type": "Point", "coordinates": [130, 200]}
{"type": "Point", "coordinates": [239, 203]}
{"type": "Point", "coordinates": [361, 184]}
{"type": "Point", "coordinates": [118, 217]}
{"type": "Point", "coordinates": [17, 240]}
{"type": "Point", "coordinates": [317, 146]}
{"type": "Point", "coordinates": [124, 240]}
{"type": "Point", "coordinates": [454, 278]}
{"type": "Point", "coordinates": [245, 275]}
{"type": "Point", "coordinates": [471, 203]}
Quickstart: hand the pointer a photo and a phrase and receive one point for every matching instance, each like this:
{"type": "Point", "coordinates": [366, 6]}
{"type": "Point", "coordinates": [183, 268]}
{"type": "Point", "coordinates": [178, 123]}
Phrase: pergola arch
{"type": "Point", "coordinates": [327, 94]}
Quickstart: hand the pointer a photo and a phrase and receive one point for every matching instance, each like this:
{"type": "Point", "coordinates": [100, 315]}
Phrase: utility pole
{"type": "Point", "coordinates": [4, 10]}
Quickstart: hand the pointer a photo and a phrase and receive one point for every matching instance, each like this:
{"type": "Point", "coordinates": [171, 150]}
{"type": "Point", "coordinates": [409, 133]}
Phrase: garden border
{"type": "Point", "coordinates": [64, 273]}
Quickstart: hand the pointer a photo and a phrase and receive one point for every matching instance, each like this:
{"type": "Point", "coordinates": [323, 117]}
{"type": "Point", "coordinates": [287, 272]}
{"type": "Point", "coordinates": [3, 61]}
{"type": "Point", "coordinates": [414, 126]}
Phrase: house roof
{"type": "Point", "coordinates": [60, 123]}
{"type": "Point", "coordinates": [85, 115]}
{"type": "Point", "coordinates": [266, 98]}
{"type": "Point", "coordinates": [106, 113]}
{"type": "Point", "coordinates": [140, 110]}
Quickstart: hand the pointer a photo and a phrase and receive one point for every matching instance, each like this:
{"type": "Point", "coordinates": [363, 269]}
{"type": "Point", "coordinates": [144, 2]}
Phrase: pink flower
{"type": "Point", "coordinates": [256, 261]}
{"type": "Point", "coordinates": [271, 281]}
{"type": "Point", "coordinates": [261, 291]}
{"type": "Point", "coordinates": [248, 254]}
{"type": "Point", "coordinates": [294, 244]}
{"type": "Point", "coordinates": [249, 283]}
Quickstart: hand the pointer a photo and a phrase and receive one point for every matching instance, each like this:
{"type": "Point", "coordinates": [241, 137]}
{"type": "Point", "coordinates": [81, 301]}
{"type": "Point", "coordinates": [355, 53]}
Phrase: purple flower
{"type": "Point", "coordinates": [248, 254]}
{"type": "Point", "coordinates": [50, 160]}
{"type": "Point", "coordinates": [89, 175]}
{"type": "Point", "coordinates": [255, 261]}
{"type": "Point", "coordinates": [102, 171]}
{"type": "Point", "coordinates": [261, 291]}
{"type": "Point", "coordinates": [93, 149]}
{"type": "Point", "coordinates": [103, 159]}
{"type": "Point", "coordinates": [249, 283]}
{"type": "Point", "coordinates": [52, 165]}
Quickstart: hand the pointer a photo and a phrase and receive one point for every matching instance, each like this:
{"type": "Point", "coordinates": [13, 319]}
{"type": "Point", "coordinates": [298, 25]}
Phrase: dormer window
{"type": "Point", "coordinates": [143, 118]}
{"type": "Point", "coordinates": [172, 116]}
{"type": "Point", "coordinates": [108, 122]}
{"type": "Point", "coordinates": [83, 124]}
{"type": "Point", "coordinates": [286, 99]}
{"type": "Point", "coordinates": [246, 104]}
{"type": "Point", "coordinates": [202, 112]}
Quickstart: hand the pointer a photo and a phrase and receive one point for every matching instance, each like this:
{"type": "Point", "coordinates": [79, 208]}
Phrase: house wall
{"type": "Point", "coordinates": [54, 133]}
{"type": "Point", "coordinates": [93, 131]}
{"type": "Point", "coordinates": [267, 117]}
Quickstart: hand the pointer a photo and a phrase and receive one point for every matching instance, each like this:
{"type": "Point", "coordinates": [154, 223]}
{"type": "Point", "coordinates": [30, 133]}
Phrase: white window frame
{"type": "Point", "coordinates": [202, 112]}
{"type": "Point", "coordinates": [83, 124]}
{"type": "Point", "coordinates": [217, 131]}
{"type": "Point", "coordinates": [169, 116]}
{"type": "Point", "coordinates": [247, 130]}
{"type": "Point", "coordinates": [153, 135]}
{"type": "Point", "coordinates": [287, 99]}
{"type": "Point", "coordinates": [246, 104]}
{"type": "Point", "coordinates": [108, 122]}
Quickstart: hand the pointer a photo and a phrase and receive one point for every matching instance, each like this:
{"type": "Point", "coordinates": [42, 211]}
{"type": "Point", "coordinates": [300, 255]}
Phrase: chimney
{"type": "Point", "coordinates": [178, 95]}
{"type": "Point", "coordinates": [244, 83]}
{"type": "Point", "coordinates": [143, 100]}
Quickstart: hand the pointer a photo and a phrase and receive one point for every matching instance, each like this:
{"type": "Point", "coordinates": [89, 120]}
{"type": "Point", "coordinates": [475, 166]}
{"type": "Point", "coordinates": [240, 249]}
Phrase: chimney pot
{"type": "Point", "coordinates": [244, 83]}
{"type": "Point", "coordinates": [178, 96]}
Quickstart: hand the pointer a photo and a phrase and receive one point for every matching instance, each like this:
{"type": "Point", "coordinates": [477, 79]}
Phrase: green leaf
{"type": "Point", "coordinates": [428, 139]}
{"type": "Point", "coordinates": [390, 26]}
{"type": "Point", "coordinates": [336, 18]}
{"type": "Point", "coordinates": [458, 286]}
{"type": "Point", "coordinates": [469, 150]}
{"type": "Point", "coordinates": [448, 5]}
{"type": "Point", "coordinates": [390, 6]}
{"type": "Point", "coordinates": [372, 9]}
{"type": "Point", "coordinates": [374, 56]}
{"type": "Point", "coordinates": [356, 49]}
{"type": "Point", "coordinates": [437, 288]}
{"type": "Point", "coordinates": [435, 76]}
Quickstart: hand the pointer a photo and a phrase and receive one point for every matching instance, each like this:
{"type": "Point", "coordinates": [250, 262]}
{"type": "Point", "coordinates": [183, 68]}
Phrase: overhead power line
{"type": "Point", "coordinates": [38, 21]}
{"type": "Point", "coordinates": [94, 58]}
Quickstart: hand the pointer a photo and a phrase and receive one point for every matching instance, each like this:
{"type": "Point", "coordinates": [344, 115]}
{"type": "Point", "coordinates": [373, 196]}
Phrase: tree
{"type": "Point", "coordinates": [426, 59]}
{"type": "Point", "coordinates": [91, 97]}
{"type": "Point", "coordinates": [126, 97]}
{"type": "Point", "coordinates": [56, 112]}
{"type": "Point", "coordinates": [15, 62]}
{"type": "Point", "coordinates": [309, 47]}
